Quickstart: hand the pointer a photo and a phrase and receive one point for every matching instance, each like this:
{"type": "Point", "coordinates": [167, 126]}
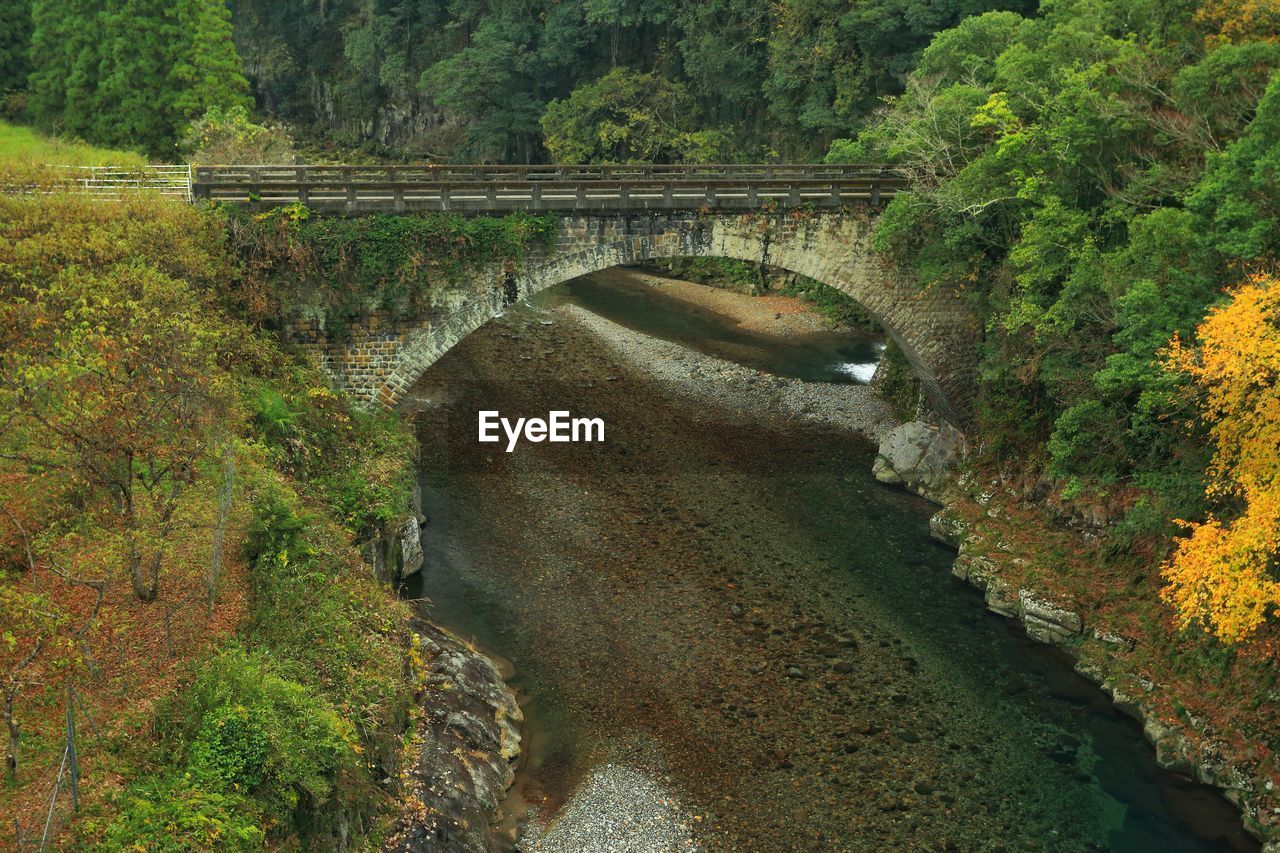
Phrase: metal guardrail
{"type": "Point", "coordinates": [116, 181]}
{"type": "Point", "coordinates": [355, 189]}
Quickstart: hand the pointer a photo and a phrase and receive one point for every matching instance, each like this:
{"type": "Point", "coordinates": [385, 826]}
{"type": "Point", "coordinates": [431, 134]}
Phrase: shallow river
{"type": "Point", "coordinates": [733, 603]}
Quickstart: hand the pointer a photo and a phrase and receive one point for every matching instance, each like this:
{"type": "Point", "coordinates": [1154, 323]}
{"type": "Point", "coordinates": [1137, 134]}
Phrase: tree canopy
{"type": "Point", "coordinates": [131, 73]}
{"type": "Point", "coordinates": [470, 80]}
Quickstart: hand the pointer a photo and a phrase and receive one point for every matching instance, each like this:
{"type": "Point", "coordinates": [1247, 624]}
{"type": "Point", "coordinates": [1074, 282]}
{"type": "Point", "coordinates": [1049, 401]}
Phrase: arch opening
{"type": "Point", "coordinates": [936, 331]}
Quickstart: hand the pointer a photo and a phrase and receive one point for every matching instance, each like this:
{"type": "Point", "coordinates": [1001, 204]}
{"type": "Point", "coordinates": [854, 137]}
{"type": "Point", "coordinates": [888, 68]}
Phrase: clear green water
{"type": "Point", "coordinates": [655, 594]}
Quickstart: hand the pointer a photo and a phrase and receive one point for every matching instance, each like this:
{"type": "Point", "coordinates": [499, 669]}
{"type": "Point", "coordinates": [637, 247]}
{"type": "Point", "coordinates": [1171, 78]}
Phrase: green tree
{"type": "Point", "coordinates": [1240, 193]}
{"type": "Point", "coordinates": [132, 73]}
{"type": "Point", "coordinates": [64, 36]}
{"type": "Point", "coordinates": [15, 42]}
{"type": "Point", "coordinates": [133, 103]}
{"type": "Point", "coordinates": [618, 16]}
{"type": "Point", "coordinates": [724, 49]}
{"type": "Point", "coordinates": [206, 72]}
{"type": "Point", "coordinates": [628, 117]}
{"type": "Point", "coordinates": [1059, 173]}
{"type": "Point", "coordinates": [489, 84]}
{"type": "Point", "coordinates": [831, 61]}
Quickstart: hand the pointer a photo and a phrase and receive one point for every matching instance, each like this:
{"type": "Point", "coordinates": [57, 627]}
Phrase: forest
{"type": "Point", "coordinates": [1101, 178]}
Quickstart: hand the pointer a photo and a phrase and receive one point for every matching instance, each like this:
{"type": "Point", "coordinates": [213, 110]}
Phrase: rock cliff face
{"type": "Point", "coordinates": [466, 737]}
{"type": "Point", "coordinates": [463, 754]}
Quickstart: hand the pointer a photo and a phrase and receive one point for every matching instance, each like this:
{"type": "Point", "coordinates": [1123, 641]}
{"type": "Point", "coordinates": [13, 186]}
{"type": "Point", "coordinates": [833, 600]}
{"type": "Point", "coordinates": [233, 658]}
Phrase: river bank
{"type": "Point", "coordinates": [1009, 550]}
{"type": "Point", "coordinates": [721, 597]}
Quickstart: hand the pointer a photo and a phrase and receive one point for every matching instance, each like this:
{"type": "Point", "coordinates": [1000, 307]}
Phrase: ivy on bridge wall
{"type": "Point", "coordinates": [348, 266]}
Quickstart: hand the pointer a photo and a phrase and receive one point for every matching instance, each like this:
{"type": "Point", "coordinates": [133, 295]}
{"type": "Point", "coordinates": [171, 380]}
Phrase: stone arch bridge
{"type": "Point", "coordinates": [812, 220]}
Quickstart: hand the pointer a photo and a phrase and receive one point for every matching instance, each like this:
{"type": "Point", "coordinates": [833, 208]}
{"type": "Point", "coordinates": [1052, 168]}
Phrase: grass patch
{"type": "Point", "coordinates": [25, 146]}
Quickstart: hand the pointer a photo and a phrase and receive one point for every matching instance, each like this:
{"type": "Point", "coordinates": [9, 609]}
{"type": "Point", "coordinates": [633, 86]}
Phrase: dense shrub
{"type": "Point", "coordinates": [171, 815]}
{"type": "Point", "coordinates": [225, 136]}
{"type": "Point", "coordinates": [728, 273]}
{"type": "Point", "coordinates": [355, 461]}
{"type": "Point", "coordinates": [839, 309]}
{"type": "Point", "coordinates": [248, 730]}
{"type": "Point", "coordinates": [324, 619]}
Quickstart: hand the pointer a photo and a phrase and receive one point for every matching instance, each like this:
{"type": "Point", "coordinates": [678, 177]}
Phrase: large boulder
{"type": "Point", "coordinates": [919, 456]}
{"type": "Point", "coordinates": [948, 529]}
{"type": "Point", "coordinates": [1047, 622]}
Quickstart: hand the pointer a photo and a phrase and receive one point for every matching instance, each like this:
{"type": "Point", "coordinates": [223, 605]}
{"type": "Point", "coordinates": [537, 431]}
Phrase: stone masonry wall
{"type": "Point", "coordinates": [385, 352]}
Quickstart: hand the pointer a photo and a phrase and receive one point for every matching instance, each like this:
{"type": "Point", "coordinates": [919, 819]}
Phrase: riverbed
{"type": "Point", "coordinates": [720, 600]}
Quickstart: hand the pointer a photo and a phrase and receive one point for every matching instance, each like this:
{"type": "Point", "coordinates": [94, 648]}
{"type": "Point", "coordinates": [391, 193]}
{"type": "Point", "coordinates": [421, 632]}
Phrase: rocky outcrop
{"type": "Point", "coordinates": [919, 456]}
{"type": "Point", "coordinates": [947, 530]}
{"type": "Point", "coordinates": [1047, 622]}
{"type": "Point", "coordinates": [396, 553]}
{"type": "Point", "coordinates": [464, 750]}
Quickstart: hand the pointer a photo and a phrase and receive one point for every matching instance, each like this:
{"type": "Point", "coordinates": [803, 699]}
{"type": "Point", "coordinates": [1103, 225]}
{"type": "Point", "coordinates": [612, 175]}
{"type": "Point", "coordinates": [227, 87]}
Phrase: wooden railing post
{"type": "Point", "coordinates": [200, 186]}
{"type": "Point", "coordinates": [304, 192]}
{"type": "Point", "coordinates": [349, 178]}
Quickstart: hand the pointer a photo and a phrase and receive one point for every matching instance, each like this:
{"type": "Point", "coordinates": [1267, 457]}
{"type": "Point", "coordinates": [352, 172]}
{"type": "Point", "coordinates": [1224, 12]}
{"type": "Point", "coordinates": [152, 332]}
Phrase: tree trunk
{"type": "Point", "coordinates": [145, 574]}
{"type": "Point", "coordinates": [15, 732]}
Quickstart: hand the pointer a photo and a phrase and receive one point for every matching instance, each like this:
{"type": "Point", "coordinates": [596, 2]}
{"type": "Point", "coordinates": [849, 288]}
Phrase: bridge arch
{"type": "Point", "coordinates": [937, 330]}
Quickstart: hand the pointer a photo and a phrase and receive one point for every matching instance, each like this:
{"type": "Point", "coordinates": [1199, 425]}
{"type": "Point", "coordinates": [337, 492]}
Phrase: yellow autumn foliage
{"type": "Point", "coordinates": [1223, 574]}
{"type": "Point", "coordinates": [1236, 21]}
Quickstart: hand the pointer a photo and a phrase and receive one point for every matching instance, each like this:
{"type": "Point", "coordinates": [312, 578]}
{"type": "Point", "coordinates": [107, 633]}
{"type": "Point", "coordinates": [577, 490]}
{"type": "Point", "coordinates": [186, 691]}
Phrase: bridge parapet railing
{"type": "Point", "coordinates": [444, 173]}
{"type": "Point", "coordinates": [481, 188]}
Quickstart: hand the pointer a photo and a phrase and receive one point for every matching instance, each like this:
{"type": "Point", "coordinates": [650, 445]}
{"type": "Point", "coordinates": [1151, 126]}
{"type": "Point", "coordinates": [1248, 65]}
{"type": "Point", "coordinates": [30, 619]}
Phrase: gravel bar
{"type": "Point", "coordinates": [616, 809]}
{"type": "Point", "coordinates": [741, 392]}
